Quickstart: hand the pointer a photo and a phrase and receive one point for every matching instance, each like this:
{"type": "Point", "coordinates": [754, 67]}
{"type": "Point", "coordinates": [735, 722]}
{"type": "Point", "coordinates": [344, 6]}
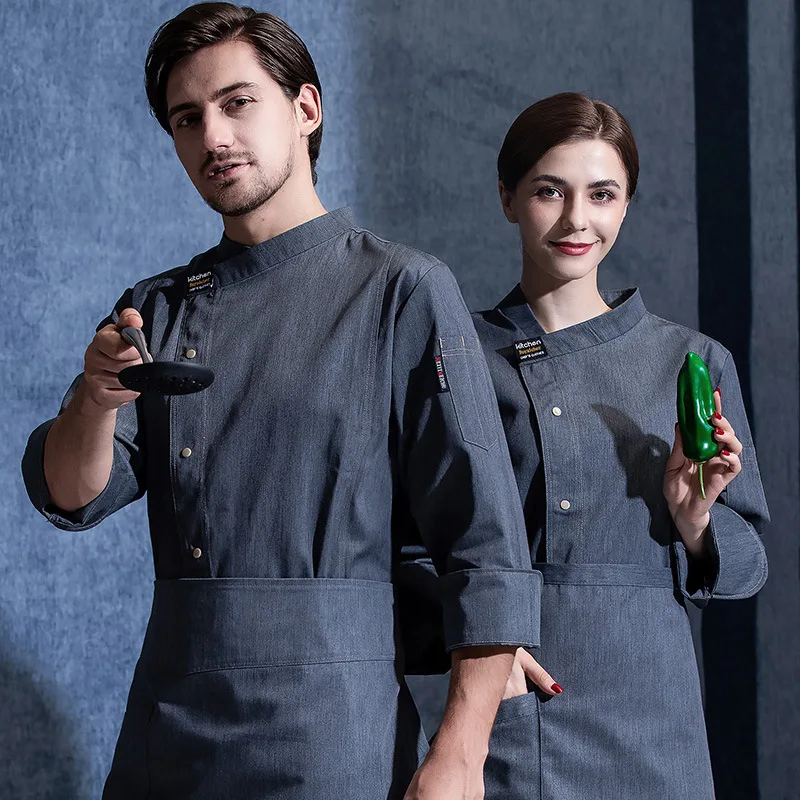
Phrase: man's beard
{"type": "Point", "coordinates": [260, 190]}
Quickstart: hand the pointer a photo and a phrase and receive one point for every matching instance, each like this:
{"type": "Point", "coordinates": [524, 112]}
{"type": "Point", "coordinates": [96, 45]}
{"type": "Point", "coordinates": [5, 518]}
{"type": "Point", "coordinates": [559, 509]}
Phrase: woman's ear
{"type": "Point", "coordinates": [507, 201]}
{"type": "Point", "coordinates": [624, 213]}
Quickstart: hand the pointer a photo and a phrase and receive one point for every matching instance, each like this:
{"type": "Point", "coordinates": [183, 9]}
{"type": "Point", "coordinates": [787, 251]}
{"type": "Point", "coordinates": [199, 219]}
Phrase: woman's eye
{"type": "Point", "coordinates": [604, 196]}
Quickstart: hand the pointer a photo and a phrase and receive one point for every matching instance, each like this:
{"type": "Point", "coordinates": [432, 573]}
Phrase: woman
{"type": "Point", "coordinates": [586, 384]}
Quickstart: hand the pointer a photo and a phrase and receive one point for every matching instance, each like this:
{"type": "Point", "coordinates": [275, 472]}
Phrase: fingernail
{"type": "Point", "coordinates": [717, 415]}
{"type": "Point", "coordinates": [719, 432]}
{"type": "Point", "coordinates": [556, 688]}
{"type": "Point", "coordinates": [725, 453]}
{"type": "Point", "coordinates": [720, 392]}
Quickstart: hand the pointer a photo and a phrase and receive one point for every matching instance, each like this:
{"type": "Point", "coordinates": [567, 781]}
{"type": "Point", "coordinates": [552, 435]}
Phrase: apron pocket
{"type": "Point", "coordinates": [513, 766]}
{"type": "Point", "coordinates": [522, 705]}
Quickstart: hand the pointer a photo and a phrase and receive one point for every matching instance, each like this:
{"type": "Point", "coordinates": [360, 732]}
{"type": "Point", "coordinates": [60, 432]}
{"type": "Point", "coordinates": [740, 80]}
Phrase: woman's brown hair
{"type": "Point", "coordinates": [280, 50]}
{"type": "Point", "coordinates": [559, 119]}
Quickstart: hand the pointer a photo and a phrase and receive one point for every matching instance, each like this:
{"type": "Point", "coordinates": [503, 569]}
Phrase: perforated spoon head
{"type": "Point", "coordinates": [166, 377]}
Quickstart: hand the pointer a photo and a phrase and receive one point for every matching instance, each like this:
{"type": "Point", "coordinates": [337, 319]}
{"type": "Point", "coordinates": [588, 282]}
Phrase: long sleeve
{"type": "Point", "coordinates": [736, 564]}
{"type": "Point", "coordinates": [126, 482]}
{"type": "Point", "coordinates": [455, 474]}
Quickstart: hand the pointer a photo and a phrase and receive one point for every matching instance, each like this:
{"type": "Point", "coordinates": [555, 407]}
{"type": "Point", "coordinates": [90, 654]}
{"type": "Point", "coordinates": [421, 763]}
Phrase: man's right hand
{"type": "Point", "coordinates": [105, 358]}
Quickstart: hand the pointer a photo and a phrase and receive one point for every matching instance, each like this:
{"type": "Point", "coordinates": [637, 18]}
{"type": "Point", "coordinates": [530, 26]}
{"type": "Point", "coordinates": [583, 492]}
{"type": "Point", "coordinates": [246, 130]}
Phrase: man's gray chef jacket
{"type": "Point", "coordinates": [352, 413]}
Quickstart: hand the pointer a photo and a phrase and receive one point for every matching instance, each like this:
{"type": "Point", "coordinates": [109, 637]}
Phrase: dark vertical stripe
{"type": "Point", "coordinates": [724, 229]}
{"type": "Point", "coordinates": [796, 90]}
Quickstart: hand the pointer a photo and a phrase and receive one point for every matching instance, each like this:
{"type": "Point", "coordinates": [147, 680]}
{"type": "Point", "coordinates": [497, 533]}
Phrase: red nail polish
{"type": "Point", "coordinates": [719, 432]}
{"type": "Point", "coordinates": [725, 452]}
{"type": "Point", "coordinates": [720, 392]}
{"type": "Point", "coordinates": [557, 689]}
{"type": "Point", "coordinates": [717, 415]}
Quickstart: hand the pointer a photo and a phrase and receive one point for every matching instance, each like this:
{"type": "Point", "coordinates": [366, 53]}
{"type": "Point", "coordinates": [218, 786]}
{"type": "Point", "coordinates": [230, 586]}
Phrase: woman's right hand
{"type": "Point", "coordinates": [525, 665]}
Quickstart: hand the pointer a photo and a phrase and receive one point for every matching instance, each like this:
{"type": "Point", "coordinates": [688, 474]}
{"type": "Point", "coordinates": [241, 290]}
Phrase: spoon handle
{"type": "Point", "coordinates": [135, 337]}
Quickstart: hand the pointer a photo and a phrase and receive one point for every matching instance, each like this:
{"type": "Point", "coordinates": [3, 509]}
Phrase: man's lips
{"type": "Point", "coordinates": [573, 248]}
{"type": "Point", "coordinates": [221, 172]}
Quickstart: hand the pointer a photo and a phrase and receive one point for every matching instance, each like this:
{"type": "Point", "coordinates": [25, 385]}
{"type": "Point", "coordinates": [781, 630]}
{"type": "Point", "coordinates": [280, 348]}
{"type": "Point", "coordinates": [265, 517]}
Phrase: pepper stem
{"type": "Point", "coordinates": [702, 487]}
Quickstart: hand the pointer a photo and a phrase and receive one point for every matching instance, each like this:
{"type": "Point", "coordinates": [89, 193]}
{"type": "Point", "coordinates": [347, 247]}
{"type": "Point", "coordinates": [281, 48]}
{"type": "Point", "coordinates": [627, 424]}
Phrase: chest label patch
{"type": "Point", "coordinates": [199, 283]}
{"type": "Point", "coordinates": [530, 350]}
{"type": "Point", "coordinates": [440, 375]}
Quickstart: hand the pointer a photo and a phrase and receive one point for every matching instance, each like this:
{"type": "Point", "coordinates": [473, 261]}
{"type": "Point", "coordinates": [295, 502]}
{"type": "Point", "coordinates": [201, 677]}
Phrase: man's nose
{"type": "Point", "coordinates": [217, 132]}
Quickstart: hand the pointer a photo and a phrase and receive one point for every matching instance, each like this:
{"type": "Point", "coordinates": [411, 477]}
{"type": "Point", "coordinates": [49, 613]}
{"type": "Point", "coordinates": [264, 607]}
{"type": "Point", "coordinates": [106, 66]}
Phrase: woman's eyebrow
{"type": "Point", "coordinates": [550, 179]}
{"type": "Point", "coordinates": [604, 182]}
{"type": "Point", "coordinates": [564, 182]}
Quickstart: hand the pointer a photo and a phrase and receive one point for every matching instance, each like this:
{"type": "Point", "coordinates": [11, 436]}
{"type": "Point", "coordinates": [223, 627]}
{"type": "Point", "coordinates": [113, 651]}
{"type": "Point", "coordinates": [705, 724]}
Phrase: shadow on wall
{"type": "Point", "coordinates": [39, 762]}
{"type": "Point", "coordinates": [723, 203]}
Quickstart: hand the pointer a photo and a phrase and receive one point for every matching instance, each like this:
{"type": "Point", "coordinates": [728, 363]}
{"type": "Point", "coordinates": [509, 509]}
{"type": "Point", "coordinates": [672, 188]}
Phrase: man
{"type": "Point", "coordinates": [351, 414]}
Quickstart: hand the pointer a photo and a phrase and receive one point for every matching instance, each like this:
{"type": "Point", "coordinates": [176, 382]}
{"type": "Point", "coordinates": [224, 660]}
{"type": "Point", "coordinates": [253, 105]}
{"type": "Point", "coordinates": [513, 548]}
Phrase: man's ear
{"type": "Point", "coordinates": [507, 201]}
{"type": "Point", "coordinates": [309, 109]}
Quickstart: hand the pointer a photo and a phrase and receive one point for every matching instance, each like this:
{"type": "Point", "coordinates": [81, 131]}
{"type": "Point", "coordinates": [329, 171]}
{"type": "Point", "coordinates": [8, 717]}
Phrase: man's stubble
{"type": "Point", "coordinates": [246, 199]}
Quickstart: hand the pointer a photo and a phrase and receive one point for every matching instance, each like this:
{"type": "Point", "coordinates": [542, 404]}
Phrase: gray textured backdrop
{"type": "Point", "coordinates": [417, 98]}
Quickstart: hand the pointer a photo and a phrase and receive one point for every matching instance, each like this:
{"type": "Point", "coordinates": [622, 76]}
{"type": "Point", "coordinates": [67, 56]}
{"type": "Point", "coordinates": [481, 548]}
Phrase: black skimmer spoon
{"type": "Point", "coordinates": [161, 377]}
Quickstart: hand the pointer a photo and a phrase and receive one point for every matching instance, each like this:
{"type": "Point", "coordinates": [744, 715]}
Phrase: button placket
{"type": "Point", "coordinates": [565, 504]}
{"type": "Point", "coordinates": [188, 418]}
{"type": "Point", "coordinates": [557, 438]}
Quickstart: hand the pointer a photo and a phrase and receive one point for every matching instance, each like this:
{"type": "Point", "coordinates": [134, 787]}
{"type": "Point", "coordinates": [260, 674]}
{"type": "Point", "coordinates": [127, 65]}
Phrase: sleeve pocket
{"type": "Point", "coordinates": [470, 387]}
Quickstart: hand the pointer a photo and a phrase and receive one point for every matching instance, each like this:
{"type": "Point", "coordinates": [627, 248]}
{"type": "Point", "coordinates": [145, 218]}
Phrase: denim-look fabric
{"type": "Point", "coordinates": [590, 425]}
{"type": "Point", "coordinates": [351, 414]}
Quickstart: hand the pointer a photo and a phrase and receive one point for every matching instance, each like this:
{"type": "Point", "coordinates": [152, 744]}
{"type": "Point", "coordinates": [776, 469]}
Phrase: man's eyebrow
{"type": "Point", "coordinates": [216, 96]}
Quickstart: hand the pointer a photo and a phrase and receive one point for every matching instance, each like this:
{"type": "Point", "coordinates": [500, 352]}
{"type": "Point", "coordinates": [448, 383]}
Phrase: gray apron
{"type": "Point", "coordinates": [279, 688]}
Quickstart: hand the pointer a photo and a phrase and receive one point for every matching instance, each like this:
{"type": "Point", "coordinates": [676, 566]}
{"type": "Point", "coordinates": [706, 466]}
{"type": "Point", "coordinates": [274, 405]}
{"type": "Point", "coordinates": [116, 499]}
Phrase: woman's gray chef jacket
{"type": "Point", "coordinates": [351, 400]}
{"type": "Point", "coordinates": [589, 415]}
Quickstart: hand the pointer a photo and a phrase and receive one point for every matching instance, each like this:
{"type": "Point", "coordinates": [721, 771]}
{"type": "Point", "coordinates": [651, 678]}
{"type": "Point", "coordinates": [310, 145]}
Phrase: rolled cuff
{"type": "Point", "coordinates": [491, 607]}
{"type": "Point", "coordinates": [735, 566]}
{"type": "Point", "coordinates": [82, 518]}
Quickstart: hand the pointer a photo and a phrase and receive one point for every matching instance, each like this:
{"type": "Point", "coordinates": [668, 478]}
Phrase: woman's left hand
{"type": "Point", "coordinates": [689, 510]}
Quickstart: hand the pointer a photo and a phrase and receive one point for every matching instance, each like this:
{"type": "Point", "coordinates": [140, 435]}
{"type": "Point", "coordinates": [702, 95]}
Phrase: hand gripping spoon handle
{"type": "Point", "coordinates": [161, 377]}
{"type": "Point", "coordinates": [135, 337]}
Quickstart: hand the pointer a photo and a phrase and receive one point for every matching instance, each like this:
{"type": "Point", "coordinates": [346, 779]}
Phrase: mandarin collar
{"type": "Point", "coordinates": [627, 309]}
{"type": "Point", "coordinates": [232, 261]}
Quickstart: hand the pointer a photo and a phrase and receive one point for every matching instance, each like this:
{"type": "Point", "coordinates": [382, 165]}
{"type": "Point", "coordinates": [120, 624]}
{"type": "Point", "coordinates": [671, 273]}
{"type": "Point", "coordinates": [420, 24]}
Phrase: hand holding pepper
{"type": "Point", "coordinates": [689, 510]}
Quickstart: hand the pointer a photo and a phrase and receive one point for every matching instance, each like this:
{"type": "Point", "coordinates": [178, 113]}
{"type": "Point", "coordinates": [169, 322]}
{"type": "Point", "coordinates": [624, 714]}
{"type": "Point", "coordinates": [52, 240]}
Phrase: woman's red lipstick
{"type": "Point", "coordinates": [573, 248]}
